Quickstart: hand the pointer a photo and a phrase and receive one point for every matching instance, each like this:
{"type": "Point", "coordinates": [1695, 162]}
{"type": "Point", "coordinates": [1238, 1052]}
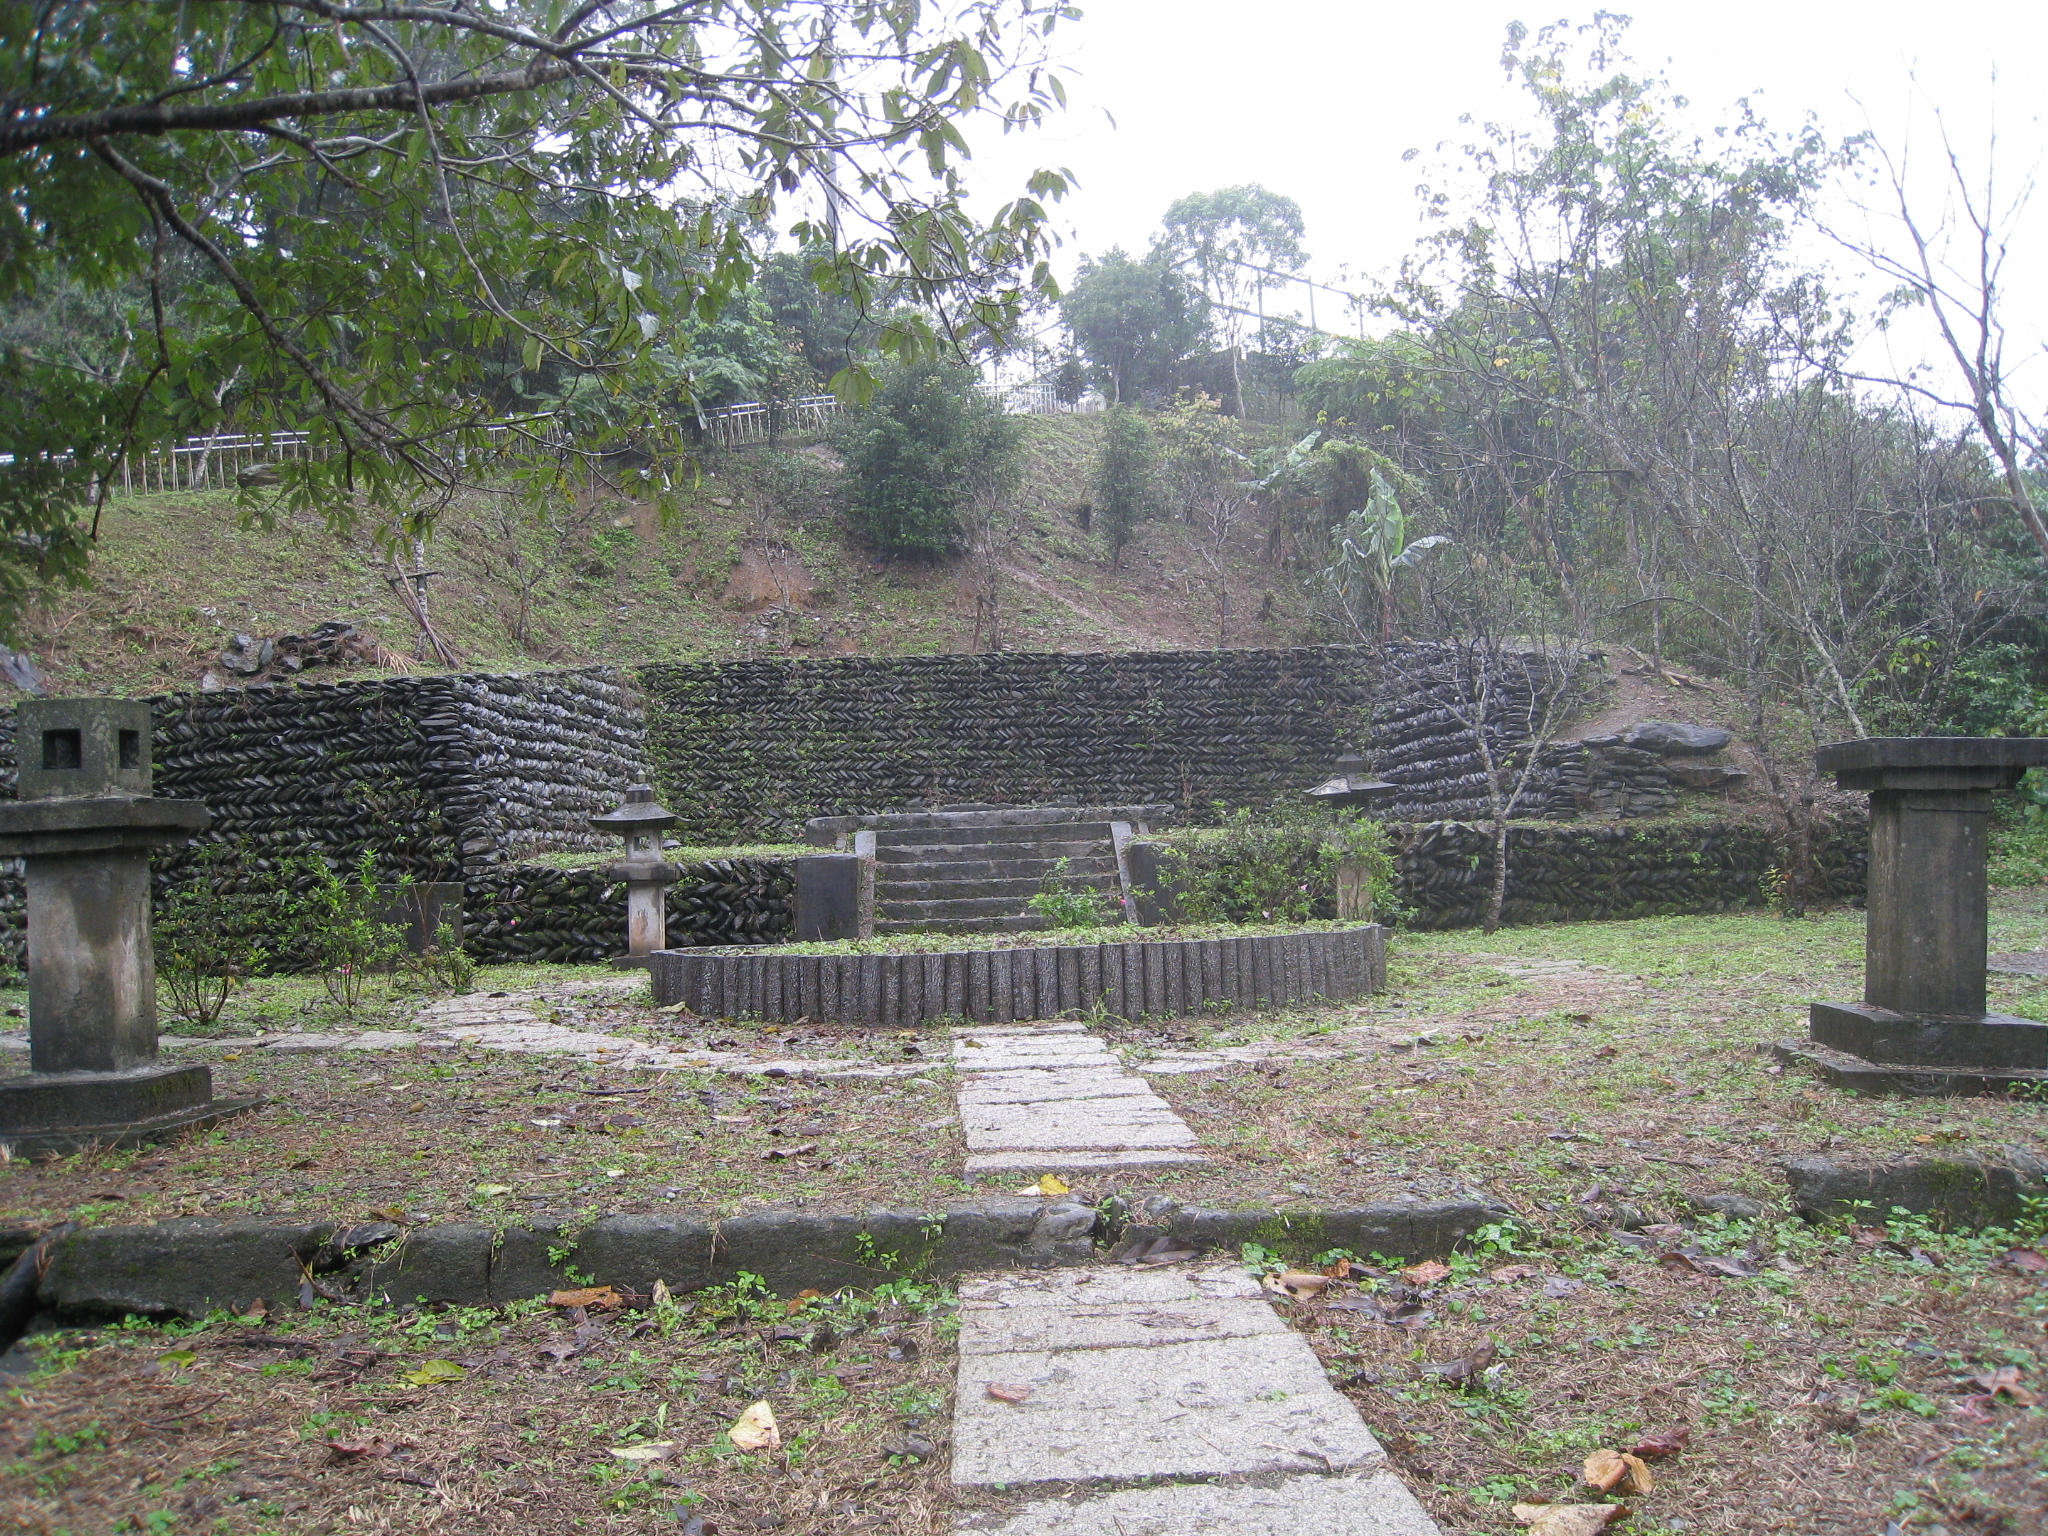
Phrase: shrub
{"type": "Point", "coordinates": [1126, 478]}
{"type": "Point", "coordinates": [929, 443]}
{"type": "Point", "coordinates": [1064, 903]}
{"type": "Point", "coordinates": [1278, 864]}
{"type": "Point", "coordinates": [340, 930]}
{"type": "Point", "coordinates": [206, 937]}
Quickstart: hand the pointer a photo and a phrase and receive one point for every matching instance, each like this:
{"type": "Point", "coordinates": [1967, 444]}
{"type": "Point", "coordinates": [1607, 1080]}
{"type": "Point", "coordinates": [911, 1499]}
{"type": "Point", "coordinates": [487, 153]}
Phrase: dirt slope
{"type": "Point", "coordinates": [760, 563]}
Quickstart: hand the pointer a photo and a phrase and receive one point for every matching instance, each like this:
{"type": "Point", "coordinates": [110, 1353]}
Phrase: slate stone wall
{"type": "Point", "coordinates": [1575, 874]}
{"type": "Point", "coordinates": [754, 748]}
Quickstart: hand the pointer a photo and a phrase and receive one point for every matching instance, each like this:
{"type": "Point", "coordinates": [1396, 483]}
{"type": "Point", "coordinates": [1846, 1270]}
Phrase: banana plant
{"type": "Point", "coordinates": [1373, 548]}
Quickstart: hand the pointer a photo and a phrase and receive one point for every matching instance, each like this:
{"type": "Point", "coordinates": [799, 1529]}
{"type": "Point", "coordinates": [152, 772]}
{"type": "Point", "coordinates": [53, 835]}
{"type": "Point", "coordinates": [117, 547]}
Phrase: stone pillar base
{"type": "Point", "coordinates": [1873, 1079]}
{"type": "Point", "coordinates": [1985, 1041]}
{"type": "Point", "coordinates": [58, 1113]}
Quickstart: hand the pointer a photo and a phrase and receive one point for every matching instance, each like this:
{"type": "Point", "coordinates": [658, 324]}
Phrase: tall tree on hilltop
{"type": "Point", "coordinates": [1226, 237]}
{"type": "Point", "coordinates": [1135, 321]}
{"type": "Point", "coordinates": [365, 206]}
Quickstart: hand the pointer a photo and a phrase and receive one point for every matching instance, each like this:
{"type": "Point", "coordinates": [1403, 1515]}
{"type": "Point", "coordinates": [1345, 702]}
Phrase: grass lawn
{"type": "Point", "coordinates": [1598, 1081]}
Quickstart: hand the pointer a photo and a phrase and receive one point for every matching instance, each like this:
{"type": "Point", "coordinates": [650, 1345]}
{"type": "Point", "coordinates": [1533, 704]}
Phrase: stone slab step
{"type": "Point", "coordinates": [1153, 815]}
{"type": "Point", "coordinates": [1169, 1377]}
{"type": "Point", "coordinates": [1032, 849]}
{"type": "Point", "coordinates": [1080, 1161]}
{"type": "Point", "coordinates": [950, 906]}
{"type": "Point", "coordinates": [1069, 834]}
{"type": "Point", "coordinates": [1029, 922]}
{"type": "Point", "coordinates": [1361, 1504]}
{"type": "Point", "coordinates": [967, 888]}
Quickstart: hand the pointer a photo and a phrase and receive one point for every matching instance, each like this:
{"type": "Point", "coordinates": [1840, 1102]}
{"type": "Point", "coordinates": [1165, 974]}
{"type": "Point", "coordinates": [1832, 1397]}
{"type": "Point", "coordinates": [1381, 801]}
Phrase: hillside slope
{"type": "Point", "coordinates": [760, 563]}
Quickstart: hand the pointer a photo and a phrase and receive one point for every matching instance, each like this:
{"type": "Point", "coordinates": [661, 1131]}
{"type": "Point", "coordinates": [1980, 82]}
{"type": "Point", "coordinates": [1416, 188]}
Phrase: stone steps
{"type": "Point", "coordinates": [945, 886]}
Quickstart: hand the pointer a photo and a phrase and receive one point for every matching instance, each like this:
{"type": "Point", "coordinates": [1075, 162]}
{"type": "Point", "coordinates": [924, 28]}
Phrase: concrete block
{"type": "Point", "coordinates": [1967, 1190]}
{"type": "Point", "coordinates": [828, 898]}
{"type": "Point", "coordinates": [1090, 1324]}
{"type": "Point", "coordinates": [188, 1266]}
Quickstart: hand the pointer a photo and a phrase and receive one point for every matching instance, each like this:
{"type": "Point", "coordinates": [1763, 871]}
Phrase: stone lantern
{"type": "Point", "coordinates": [640, 820]}
{"type": "Point", "coordinates": [1353, 786]}
{"type": "Point", "coordinates": [84, 827]}
{"type": "Point", "coordinates": [1922, 1027]}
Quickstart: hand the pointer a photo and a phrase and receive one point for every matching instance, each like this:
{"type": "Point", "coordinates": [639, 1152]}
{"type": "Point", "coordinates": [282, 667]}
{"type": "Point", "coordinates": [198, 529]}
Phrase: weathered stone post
{"type": "Point", "coordinates": [1353, 786]}
{"type": "Point", "coordinates": [641, 821]}
{"type": "Point", "coordinates": [83, 827]}
{"type": "Point", "coordinates": [1921, 1027]}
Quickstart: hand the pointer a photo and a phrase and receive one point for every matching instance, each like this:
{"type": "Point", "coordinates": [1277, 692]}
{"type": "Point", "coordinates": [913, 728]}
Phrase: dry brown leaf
{"type": "Point", "coordinates": [1008, 1391]}
{"type": "Point", "coordinates": [1568, 1519]}
{"type": "Point", "coordinates": [755, 1429]}
{"type": "Point", "coordinates": [1426, 1273]}
{"type": "Point", "coordinates": [1297, 1284]}
{"type": "Point", "coordinates": [661, 1296]}
{"type": "Point", "coordinates": [1466, 1367]}
{"type": "Point", "coordinates": [1617, 1472]}
{"type": "Point", "coordinates": [360, 1450]}
{"type": "Point", "coordinates": [1341, 1270]}
{"type": "Point", "coordinates": [1670, 1443]}
{"type": "Point", "coordinates": [599, 1298]}
{"type": "Point", "coordinates": [2005, 1379]}
{"type": "Point", "coordinates": [1516, 1272]}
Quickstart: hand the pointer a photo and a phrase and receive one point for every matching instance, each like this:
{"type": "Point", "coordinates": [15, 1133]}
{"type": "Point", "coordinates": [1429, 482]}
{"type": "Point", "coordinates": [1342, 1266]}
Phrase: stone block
{"type": "Point", "coordinates": [57, 1101]}
{"type": "Point", "coordinates": [1967, 1190]}
{"type": "Point", "coordinates": [186, 1266]}
{"type": "Point", "coordinates": [828, 898]}
{"type": "Point", "coordinates": [445, 1262]}
{"type": "Point", "coordinates": [1369, 1504]}
{"type": "Point", "coordinates": [1237, 1407]}
{"type": "Point", "coordinates": [1992, 1041]}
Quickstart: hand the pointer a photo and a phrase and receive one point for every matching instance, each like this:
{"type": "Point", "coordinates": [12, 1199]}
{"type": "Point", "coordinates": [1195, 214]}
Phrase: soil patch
{"type": "Point", "coordinates": [533, 1418]}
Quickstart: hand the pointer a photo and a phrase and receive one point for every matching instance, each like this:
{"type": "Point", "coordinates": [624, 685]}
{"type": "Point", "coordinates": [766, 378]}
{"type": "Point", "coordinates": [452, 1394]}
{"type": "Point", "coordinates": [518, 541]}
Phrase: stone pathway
{"type": "Point", "coordinates": [1108, 1377]}
{"type": "Point", "coordinates": [527, 1023]}
{"type": "Point", "coordinates": [1051, 1098]}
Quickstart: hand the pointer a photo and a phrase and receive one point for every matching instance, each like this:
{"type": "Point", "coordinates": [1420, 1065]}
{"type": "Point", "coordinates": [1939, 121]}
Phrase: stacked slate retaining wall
{"type": "Point", "coordinates": [754, 748]}
{"type": "Point", "coordinates": [533, 913]}
{"type": "Point", "coordinates": [1444, 870]}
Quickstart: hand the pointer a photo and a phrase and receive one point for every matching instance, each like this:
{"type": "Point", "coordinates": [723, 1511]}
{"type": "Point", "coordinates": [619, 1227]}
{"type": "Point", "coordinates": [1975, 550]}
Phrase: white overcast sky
{"type": "Point", "coordinates": [1319, 100]}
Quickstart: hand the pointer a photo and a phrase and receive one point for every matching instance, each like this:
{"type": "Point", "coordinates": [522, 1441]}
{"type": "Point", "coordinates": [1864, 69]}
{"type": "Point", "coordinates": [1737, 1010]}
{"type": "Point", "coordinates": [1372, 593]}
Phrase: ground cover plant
{"type": "Point", "coordinates": [535, 1417]}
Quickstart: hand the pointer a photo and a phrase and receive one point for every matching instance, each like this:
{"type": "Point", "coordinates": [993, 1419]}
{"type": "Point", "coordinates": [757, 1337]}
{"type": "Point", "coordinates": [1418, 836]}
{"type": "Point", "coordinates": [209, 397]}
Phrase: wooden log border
{"type": "Point", "coordinates": [1134, 979]}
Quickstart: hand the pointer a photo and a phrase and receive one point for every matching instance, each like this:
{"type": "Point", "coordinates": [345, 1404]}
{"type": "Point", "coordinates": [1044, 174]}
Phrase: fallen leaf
{"type": "Point", "coordinates": [2026, 1261]}
{"type": "Point", "coordinates": [1296, 1284]}
{"type": "Point", "coordinates": [434, 1373]}
{"type": "Point", "coordinates": [755, 1429]}
{"type": "Point", "coordinates": [654, 1450]}
{"type": "Point", "coordinates": [660, 1296]}
{"type": "Point", "coordinates": [2005, 1379]}
{"type": "Point", "coordinates": [779, 1154]}
{"type": "Point", "coordinates": [1568, 1519]}
{"type": "Point", "coordinates": [1617, 1471]}
{"type": "Point", "coordinates": [1426, 1273]}
{"type": "Point", "coordinates": [1670, 1443]}
{"type": "Point", "coordinates": [1516, 1272]}
{"type": "Point", "coordinates": [1048, 1184]}
{"type": "Point", "coordinates": [802, 1299]}
{"type": "Point", "coordinates": [1008, 1391]}
{"type": "Point", "coordinates": [494, 1189]}
{"type": "Point", "coordinates": [904, 1347]}
{"type": "Point", "coordinates": [359, 1450]}
{"type": "Point", "coordinates": [1341, 1270]}
{"type": "Point", "coordinates": [599, 1298]}
{"type": "Point", "coordinates": [1557, 1287]}
{"type": "Point", "coordinates": [915, 1446]}
{"type": "Point", "coordinates": [1465, 1368]}
{"type": "Point", "coordinates": [174, 1359]}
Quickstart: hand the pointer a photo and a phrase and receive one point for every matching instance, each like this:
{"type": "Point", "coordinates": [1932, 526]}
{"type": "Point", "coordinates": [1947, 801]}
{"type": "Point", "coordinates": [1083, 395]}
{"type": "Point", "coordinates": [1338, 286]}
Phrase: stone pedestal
{"type": "Point", "coordinates": [1921, 1027]}
{"type": "Point", "coordinates": [84, 830]}
{"type": "Point", "coordinates": [641, 820]}
{"type": "Point", "coordinates": [834, 897]}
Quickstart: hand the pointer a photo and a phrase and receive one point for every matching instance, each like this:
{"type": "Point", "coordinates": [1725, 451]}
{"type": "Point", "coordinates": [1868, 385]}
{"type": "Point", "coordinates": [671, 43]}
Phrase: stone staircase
{"type": "Point", "coordinates": [974, 869]}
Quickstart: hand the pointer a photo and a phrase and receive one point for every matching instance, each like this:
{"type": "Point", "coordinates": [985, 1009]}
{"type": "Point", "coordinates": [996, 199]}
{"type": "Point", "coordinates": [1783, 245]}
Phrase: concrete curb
{"type": "Point", "coordinates": [190, 1265]}
{"type": "Point", "coordinates": [1133, 979]}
